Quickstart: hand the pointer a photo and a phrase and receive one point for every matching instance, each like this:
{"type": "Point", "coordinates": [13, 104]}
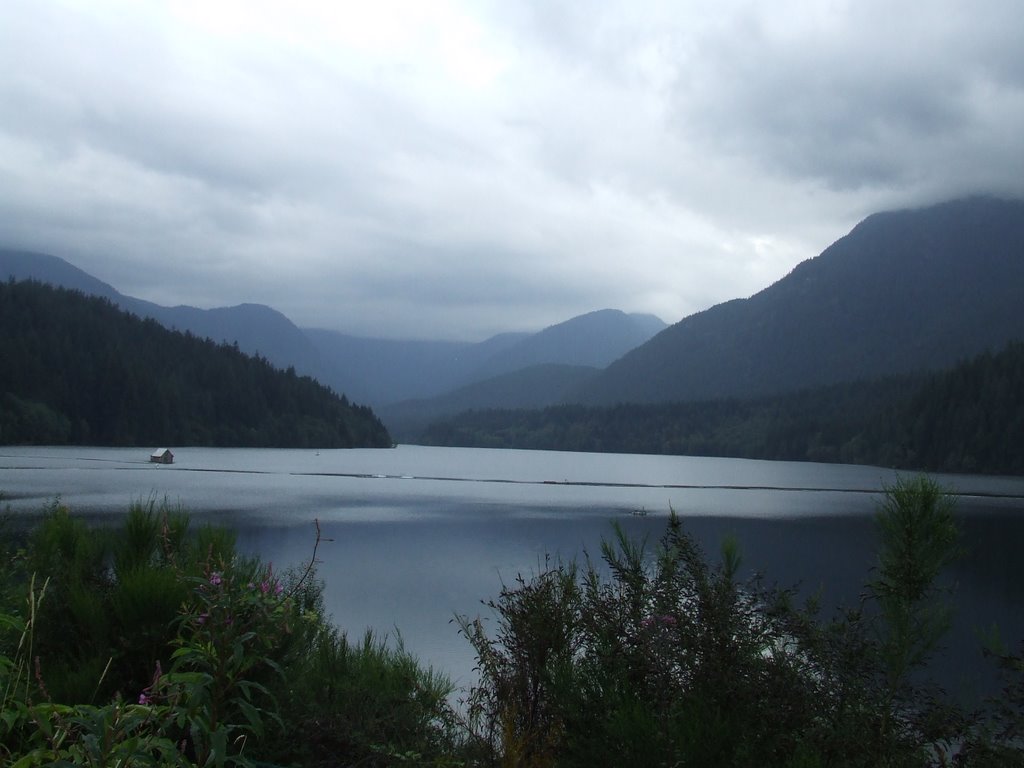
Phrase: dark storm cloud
{"type": "Point", "coordinates": [879, 95]}
{"type": "Point", "coordinates": [452, 170]}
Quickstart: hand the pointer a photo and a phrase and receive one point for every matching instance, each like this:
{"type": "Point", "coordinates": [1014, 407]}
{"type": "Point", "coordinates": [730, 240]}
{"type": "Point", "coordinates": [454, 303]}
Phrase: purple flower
{"type": "Point", "coordinates": [216, 579]}
{"type": "Point", "coordinates": [143, 698]}
{"type": "Point", "coordinates": [665, 620]}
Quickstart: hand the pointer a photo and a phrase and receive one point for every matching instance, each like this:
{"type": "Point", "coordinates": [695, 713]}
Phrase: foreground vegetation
{"type": "Point", "coordinates": [967, 419]}
{"type": "Point", "coordinates": [157, 644]}
{"type": "Point", "coordinates": [78, 370]}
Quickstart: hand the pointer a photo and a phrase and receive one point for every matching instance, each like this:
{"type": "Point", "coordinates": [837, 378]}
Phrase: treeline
{"type": "Point", "coordinates": [967, 419]}
{"type": "Point", "coordinates": [77, 370]}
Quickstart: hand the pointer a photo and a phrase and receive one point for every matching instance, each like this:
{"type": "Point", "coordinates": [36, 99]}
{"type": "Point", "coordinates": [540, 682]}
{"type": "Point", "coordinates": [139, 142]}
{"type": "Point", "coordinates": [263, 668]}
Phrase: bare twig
{"type": "Point", "coordinates": [312, 560]}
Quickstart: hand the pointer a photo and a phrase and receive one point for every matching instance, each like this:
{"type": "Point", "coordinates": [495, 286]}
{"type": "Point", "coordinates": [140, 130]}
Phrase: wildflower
{"type": "Point", "coordinates": [215, 579]}
{"type": "Point", "coordinates": [143, 698]}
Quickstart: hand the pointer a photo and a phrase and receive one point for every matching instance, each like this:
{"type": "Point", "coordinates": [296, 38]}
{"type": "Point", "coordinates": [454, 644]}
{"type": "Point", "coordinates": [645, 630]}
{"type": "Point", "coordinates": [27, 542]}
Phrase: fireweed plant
{"type": "Point", "coordinates": [226, 646]}
{"type": "Point", "coordinates": [237, 676]}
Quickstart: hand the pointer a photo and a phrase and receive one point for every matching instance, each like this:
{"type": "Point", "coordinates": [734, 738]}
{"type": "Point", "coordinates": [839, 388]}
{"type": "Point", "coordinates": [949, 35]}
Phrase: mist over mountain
{"type": "Point", "coordinates": [903, 291]}
{"type": "Point", "coordinates": [384, 372]}
{"type": "Point", "coordinates": [380, 371]}
{"type": "Point", "coordinates": [594, 340]}
{"type": "Point", "coordinates": [536, 386]}
{"type": "Point", "coordinates": [373, 371]}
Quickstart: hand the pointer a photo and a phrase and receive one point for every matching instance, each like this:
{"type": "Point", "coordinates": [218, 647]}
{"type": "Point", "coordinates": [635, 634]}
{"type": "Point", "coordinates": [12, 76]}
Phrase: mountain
{"type": "Point", "coordinates": [535, 386]}
{"type": "Point", "coordinates": [594, 340]}
{"type": "Point", "coordinates": [367, 370]}
{"type": "Point", "coordinates": [380, 371]}
{"type": "Point", "coordinates": [256, 328]}
{"type": "Point", "coordinates": [384, 372]}
{"type": "Point", "coordinates": [78, 369]}
{"type": "Point", "coordinates": [904, 291]}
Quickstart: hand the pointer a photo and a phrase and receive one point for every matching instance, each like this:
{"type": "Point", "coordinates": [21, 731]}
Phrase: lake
{"type": "Point", "coordinates": [418, 534]}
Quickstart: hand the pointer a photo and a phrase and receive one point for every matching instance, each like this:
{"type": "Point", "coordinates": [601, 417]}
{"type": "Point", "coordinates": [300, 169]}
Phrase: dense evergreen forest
{"type": "Point", "coordinates": [78, 370]}
{"type": "Point", "coordinates": [967, 419]}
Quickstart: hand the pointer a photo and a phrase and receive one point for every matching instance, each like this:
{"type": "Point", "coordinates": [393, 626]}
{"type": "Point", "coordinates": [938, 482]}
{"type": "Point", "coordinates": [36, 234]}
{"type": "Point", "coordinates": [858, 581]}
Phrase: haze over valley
{"type": "Point", "coordinates": [904, 294]}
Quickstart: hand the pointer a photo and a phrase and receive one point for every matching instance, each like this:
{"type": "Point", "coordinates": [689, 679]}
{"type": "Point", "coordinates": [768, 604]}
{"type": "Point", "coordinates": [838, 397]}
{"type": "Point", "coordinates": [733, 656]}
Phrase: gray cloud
{"type": "Point", "coordinates": [880, 95]}
{"type": "Point", "coordinates": [455, 170]}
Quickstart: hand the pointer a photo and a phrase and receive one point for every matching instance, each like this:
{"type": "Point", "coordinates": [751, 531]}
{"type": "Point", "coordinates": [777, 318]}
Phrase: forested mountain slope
{"type": "Point", "coordinates": [904, 291]}
{"type": "Point", "coordinates": [969, 418]}
{"type": "Point", "coordinates": [256, 328]}
{"type": "Point", "coordinates": [536, 386]}
{"type": "Point", "coordinates": [79, 370]}
{"type": "Point", "coordinates": [594, 339]}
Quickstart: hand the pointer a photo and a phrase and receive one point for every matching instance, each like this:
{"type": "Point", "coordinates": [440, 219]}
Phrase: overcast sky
{"type": "Point", "coordinates": [433, 169]}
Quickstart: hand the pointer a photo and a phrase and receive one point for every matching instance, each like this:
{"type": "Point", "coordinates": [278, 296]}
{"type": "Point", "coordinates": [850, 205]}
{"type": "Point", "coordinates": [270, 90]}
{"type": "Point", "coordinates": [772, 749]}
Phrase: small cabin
{"type": "Point", "coordinates": [162, 456]}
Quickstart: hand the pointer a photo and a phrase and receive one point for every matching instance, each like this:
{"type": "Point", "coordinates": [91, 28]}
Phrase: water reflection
{"type": "Point", "coordinates": [420, 534]}
{"type": "Point", "coordinates": [415, 576]}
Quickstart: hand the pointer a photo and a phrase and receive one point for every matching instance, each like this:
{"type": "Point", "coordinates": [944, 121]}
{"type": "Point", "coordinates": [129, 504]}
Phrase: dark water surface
{"type": "Point", "coordinates": [419, 534]}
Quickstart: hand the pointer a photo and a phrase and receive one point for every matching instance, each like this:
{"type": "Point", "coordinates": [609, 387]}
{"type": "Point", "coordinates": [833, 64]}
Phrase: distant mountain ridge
{"type": "Point", "coordinates": [372, 371]}
{"type": "Point", "coordinates": [381, 371]}
{"type": "Point", "coordinates": [594, 340]}
{"type": "Point", "coordinates": [535, 386]}
{"type": "Point", "coordinates": [385, 372]}
{"type": "Point", "coordinates": [903, 291]}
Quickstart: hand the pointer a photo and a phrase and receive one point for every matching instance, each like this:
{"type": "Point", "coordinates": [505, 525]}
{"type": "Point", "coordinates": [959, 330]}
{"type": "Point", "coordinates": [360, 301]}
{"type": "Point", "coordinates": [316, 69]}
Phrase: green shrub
{"type": "Point", "coordinates": [662, 658]}
{"type": "Point", "coordinates": [366, 703]}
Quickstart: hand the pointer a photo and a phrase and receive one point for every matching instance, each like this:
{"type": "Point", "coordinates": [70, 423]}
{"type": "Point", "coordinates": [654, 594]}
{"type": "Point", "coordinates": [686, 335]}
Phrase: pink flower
{"type": "Point", "coordinates": [143, 698]}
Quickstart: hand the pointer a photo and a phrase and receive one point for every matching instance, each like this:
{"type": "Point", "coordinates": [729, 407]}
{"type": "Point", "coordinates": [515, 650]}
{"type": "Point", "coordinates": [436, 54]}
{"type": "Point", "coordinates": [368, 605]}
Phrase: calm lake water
{"type": "Point", "coordinates": [419, 534]}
